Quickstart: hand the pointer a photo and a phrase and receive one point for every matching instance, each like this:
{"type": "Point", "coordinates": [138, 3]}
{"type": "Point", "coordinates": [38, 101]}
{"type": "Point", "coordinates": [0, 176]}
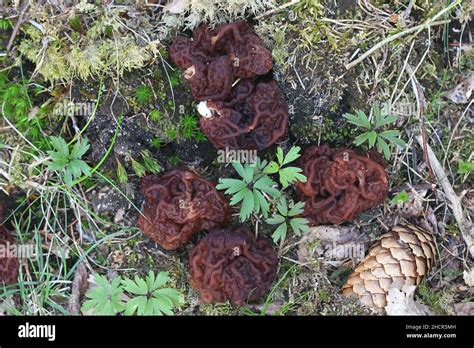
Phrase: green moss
{"type": "Point", "coordinates": [143, 95]}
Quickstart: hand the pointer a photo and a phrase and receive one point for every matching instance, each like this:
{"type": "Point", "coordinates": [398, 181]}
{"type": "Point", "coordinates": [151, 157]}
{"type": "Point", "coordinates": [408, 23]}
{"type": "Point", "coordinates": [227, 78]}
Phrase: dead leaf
{"type": "Point", "coordinates": [461, 94]}
{"type": "Point", "coordinates": [334, 244]}
{"type": "Point", "coordinates": [469, 277]}
{"type": "Point", "coordinates": [175, 6]}
{"type": "Point", "coordinates": [402, 302]}
{"type": "Point", "coordinates": [464, 308]}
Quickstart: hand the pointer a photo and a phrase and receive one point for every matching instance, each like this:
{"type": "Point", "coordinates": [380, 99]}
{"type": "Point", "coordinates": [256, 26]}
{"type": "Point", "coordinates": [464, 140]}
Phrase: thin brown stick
{"type": "Point", "coordinates": [465, 227]}
{"type": "Point", "coordinates": [20, 21]}
{"type": "Point", "coordinates": [421, 101]}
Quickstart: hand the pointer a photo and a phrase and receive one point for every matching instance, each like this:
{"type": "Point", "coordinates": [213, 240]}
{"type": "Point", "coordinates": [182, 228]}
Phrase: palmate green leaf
{"type": "Point", "coordinates": [60, 145]}
{"type": "Point", "coordinates": [383, 120]}
{"type": "Point", "coordinates": [290, 175]}
{"type": "Point", "coordinates": [262, 202]}
{"type": "Point", "coordinates": [360, 119]}
{"type": "Point", "coordinates": [239, 196]}
{"type": "Point", "coordinates": [104, 299]}
{"type": "Point", "coordinates": [299, 225]}
{"type": "Point", "coordinates": [383, 147]}
{"type": "Point", "coordinates": [154, 283]}
{"type": "Point", "coordinates": [246, 172]}
{"type": "Point", "coordinates": [393, 137]}
{"type": "Point", "coordinates": [247, 206]}
{"type": "Point", "coordinates": [276, 219]}
{"type": "Point", "coordinates": [272, 168]}
{"type": "Point", "coordinates": [360, 139]}
{"type": "Point", "coordinates": [266, 184]}
{"type": "Point", "coordinates": [280, 155]}
{"type": "Point", "coordinates": [231, 185]}
{"type": "Point", "coordinates": [67, 176]}
{"type": "Point", "coordinates": [292, 155]}
{"type": "Point", "coordinates": [282, 206]}
{"type": "Point", "coordinates": [138, 286]}
{"type": "Point", "coordinates": [280, 233]}
{"type": "Point", "coordinates": [80, 148]}
{"type": "Point", "coordinates": [297, 209]}
{"type": "Point", "coordinates": [372, 138]}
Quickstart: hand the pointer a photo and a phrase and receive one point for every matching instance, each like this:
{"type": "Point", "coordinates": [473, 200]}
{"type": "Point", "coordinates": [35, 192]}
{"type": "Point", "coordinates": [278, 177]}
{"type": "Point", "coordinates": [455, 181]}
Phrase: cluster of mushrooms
{"type": "Point", "coordinates": [244, 109]}
{"type": "Point", "coordinates": [224, 68]}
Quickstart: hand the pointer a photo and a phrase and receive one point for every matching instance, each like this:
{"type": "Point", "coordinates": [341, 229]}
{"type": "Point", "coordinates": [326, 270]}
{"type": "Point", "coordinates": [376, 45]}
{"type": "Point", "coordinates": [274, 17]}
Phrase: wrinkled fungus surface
{"type": "Point", "coordinates": [178, 204]}
{"type": "Point", "coordinates": [214, 59]}
{"type": "Point", "coordinates": [231, 264]}
{"type": "Point", "coordinates": [9, 264]}
{"type": "Point", "coordinates": [341, 184]}
{"type": "Point", "coordinates": [253, 118]}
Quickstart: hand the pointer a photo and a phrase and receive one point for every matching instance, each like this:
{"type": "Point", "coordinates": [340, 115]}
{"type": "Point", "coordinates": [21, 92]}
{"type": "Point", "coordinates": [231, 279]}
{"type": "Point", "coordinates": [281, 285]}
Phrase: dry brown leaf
{"type": "Point", "coordinates": [332, 243]}
{"type": "Point", "coordinates": [461, 94]}
{"type": "Point", "coordinates": [402, 302]}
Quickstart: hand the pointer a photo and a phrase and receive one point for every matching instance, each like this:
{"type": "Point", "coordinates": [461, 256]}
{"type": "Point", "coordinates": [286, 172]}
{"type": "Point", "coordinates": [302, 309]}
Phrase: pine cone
{"type": "Point", "coordinates": [402, 256]}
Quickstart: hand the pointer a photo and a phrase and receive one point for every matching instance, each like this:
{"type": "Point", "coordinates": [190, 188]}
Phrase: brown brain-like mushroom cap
{"type": "Point", "coordinates": [253, 117]}
{"type": "Point", "coordinates": [214, 59]}
{"type": "Point", "coordinates": [230, 264]}
{"type": "Point", "coordinates": [9, 264]}
{"type": "Point", "coordinates": [341, 184]}
{"type": "Point", "coordinates": [177, 205]}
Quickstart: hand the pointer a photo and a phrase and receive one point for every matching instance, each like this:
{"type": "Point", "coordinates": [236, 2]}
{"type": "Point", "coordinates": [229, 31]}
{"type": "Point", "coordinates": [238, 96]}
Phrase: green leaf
{"type": "Point", "coordinates": [245, 172]}
{"type": "Point", "coordinates": [383, 147]}
{"type": "Point", "coordinates": [282, 206]}
{"type": "Point", "coordinates": [104, 298]}
{"type": "Point", "coordinates": [297, 209]}
{"type": "Point", "coordinates": [60, 145]}
{"type": "Point", "coordinates": [399, 198]}
{"type": "Point", "coordinates": [360, 139]}
{"type": "Point", "coordinates": [360, 120]}
{"type": "Point", "coordinates": [173, 294]}
{"type": "Point", "coordinates": [393, 137]}
{"type": "Point", "coordinates": [263, 203]}
{"type": "Point", "coordinates": [79, 149]}
{"type": "Point", "coordinates": [299, 225]}
{"type": "Point", "coordinates": [275, 219]}
{"type": "Point", "coordinates": [292, 155]}
{"type": "Point", "coordinates": [239, 196]}
{"type": "Point", "coordinates": [137, 286]}
{"type": "Point", "coordinates": [372, 138]}
{"type": "Point", "coordinates": [266, 184]}
{"type": "Point", "coordinates": [465, 167]}
{"type": "Point", "coordinates": [384, 120]}
{"type": "Point", "coordinates": [289, 175]}
{"type": "Point", "coordinates": [280, 155]}
{"type": "Point", "coordinates": [280, 233]}
{"type": "Point", "coordinates": [232, 185]}
{"type": "Point", "coordinates": [247, 206]}
{"type": "Point", "coordinates": [272, 168]}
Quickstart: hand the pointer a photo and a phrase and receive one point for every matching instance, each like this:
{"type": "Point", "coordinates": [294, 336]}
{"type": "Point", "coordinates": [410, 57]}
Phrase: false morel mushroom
{"type": "Point", "coordinates": [253, 118]}
{"type": "Point", "coordinates": [340, 185]}
{"type": "Point", "coordinates": [231, 264]}
{"type": "Point", "coordinates": [9, 264]}
{"type": "Point", "coordinates": [221, 66]}
{"type": "Point", "coordinates": [214, 59]}
{"type": "Point", "coordinates": [177, 205]}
